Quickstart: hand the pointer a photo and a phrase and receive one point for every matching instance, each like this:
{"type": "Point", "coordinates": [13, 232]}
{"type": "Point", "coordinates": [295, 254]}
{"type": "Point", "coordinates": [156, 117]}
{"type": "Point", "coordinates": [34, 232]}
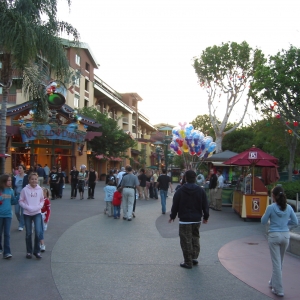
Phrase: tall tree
{"type": "Point", "coordinates": [225, 72]}
{"type": "Point", "coordinates": [276, 90]}
{"type": "Point", "coordinates": [29, 30]}
{"type": "Point", "coordinates": [114, 140]}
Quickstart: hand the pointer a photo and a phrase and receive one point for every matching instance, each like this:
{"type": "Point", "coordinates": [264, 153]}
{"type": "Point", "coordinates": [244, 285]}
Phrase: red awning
{"type": "Point", "coordinates": [91, 134]}
{"type": "Point", "coordinates": [111, 158]}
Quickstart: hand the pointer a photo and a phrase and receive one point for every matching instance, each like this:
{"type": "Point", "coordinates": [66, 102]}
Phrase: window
{"type": "Point", "coordinates": [76, 101]}
{"type": "Point", "coordinates": [77, 59]}
{"type": "Point", "coordinates": [77, 81]}
{"type": "Point", "coordinates": [87, 67]}
{"type": "Point", "coordinates": [86, 85]}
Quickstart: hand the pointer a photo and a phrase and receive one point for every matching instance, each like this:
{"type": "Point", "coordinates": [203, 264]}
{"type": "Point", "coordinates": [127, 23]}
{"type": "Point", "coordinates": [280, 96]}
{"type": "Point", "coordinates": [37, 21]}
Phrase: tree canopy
{"type": "Point", "coordinates": [114, 141]}
{"type": "Point", "coordinates": [225, 72]}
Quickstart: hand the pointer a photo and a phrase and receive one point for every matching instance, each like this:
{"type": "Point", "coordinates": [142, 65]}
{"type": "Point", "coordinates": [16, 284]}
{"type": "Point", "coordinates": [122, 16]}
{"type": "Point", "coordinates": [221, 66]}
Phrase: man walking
{"type": "Point", "coordinates": [142, 179]}
{"type": "Point", "coordinates": [213, 181]}
{"type": "Point", "coordinates": [155, 185]}
{"type": "Point", "coordinates": [164, 182]}
{"type": "Point", "coordinates": [190, 203]}
{"type": "Point", "coordinates": [41, 174]}
{"type": "Point", "coordinates": [218, 195]}
{"type": "Point", "coordinates": [93, 176]}
{"type": "Point", "coordinates": [47, 172]}
{"type": "Point", "coordinates": [128, 184]}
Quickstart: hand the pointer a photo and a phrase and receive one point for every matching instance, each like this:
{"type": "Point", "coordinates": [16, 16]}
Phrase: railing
{"type": "Point", "coordinates": [12, 99]}
{"type": "Point", "coordinates": [110, 114]}
{"type": "Point", "coordinates": [104, 111]}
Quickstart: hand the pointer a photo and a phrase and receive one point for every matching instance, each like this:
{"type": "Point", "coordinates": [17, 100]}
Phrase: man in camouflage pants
{"type": "Point", "coordinates": [190, 203]}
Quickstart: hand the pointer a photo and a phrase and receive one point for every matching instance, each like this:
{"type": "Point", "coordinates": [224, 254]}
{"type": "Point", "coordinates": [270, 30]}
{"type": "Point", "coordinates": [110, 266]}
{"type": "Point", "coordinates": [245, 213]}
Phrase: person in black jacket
{"type": "Point", "coordinates": [190, 203]}
{"type": "Point", "coordinates": [213, 181]}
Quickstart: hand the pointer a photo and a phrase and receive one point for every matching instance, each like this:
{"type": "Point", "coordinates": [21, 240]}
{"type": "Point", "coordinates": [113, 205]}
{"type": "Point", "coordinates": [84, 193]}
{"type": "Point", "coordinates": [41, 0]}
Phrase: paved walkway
{"type": "Point", "coordinates": [92, 256]}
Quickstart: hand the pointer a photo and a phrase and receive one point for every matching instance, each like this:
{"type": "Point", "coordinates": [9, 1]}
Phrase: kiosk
{"type": "Point", "coordinates": [249, 203]}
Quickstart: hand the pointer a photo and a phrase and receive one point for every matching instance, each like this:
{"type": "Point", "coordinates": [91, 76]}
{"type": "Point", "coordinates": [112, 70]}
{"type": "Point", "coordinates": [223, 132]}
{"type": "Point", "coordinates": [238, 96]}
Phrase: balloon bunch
{"type": "Point", "coordinates": [188, 140]}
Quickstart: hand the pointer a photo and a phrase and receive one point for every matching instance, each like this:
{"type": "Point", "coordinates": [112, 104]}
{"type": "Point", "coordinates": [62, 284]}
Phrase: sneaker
{"type": "Point", "coordinates": [20, 229]}
{"type": "Point", "coordinates": [276, 293]}
{"type": "Point", "coordinates": [133, 214]}
{"type": "Point", "coordinates": [129, 219]}
{"type": "Point", "coordinates": [43, 248]}
{"type": "Point", "coordinates": [270, 284]}
{"type": "Point", "coordinates": [7, 256]}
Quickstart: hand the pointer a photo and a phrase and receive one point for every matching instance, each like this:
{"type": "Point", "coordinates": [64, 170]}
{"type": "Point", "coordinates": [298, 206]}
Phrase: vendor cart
{"type": "Point", "coordinates": [252, 199]}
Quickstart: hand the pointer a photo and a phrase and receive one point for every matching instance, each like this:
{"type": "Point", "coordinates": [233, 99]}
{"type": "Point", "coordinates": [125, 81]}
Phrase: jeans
{"type": "Point", "coordinates": [163, 197]}
{"type": "Point", "coordinates": [278, 243]}
{"type": "Point", "coordinates": [60, 189]}
{"type": "Point", "coordinates": [74, 189]}
{"type": "Point", "coordinates": [19, 214]}
{"type": "Point", "coordinates": [117, 209]}
{"type": "Point", "coordinates": [91, 189]}
{"type": "Point", "coordinates": [37, 220]}
{"type": "Point", "coordinates": [155, 190]}
{"type": "Point", "coordinates": [54, 190]}
{"type": "Point", "coordinates": [5, 227]}
{"type": "Point", "coordinates": [189, 241]}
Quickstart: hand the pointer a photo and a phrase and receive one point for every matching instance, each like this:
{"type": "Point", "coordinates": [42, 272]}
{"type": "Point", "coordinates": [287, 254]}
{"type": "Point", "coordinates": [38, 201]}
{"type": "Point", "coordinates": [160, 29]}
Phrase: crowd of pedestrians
{"type": "Point", "coordinates": [123, 189]}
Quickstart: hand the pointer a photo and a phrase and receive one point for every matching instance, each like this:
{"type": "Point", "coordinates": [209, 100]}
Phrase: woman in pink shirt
{"type": "Point", "coordinates": [32, 200]}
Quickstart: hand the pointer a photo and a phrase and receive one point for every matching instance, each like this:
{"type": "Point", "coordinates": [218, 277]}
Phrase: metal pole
{"type": "Point", "coordinates": [297, 199]}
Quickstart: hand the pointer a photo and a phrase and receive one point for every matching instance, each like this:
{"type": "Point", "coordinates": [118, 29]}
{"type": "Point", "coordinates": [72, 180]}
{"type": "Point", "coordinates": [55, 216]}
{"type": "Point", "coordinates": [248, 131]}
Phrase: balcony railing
{"type": "Point", "coordinates": [12, 99]}
{"type": "Point", "coordinates": [110, 114]}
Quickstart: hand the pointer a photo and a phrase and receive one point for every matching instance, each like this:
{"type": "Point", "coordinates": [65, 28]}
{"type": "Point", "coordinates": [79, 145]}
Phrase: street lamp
{"type": "Point", "coordinates": [158, 151]}
{"type": "Point", "coordinates": [167, 140]}
{"type": "Point", "coordinates": [170, 159]}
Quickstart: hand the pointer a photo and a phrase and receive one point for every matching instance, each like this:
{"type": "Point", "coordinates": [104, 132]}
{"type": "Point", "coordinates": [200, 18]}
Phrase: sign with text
{"type": "Point", "coordinates": [53, 132]}
{"type": "Point", "coordinates": [252, 155]}
{"type": "Point", "coordinates": [255, 205]}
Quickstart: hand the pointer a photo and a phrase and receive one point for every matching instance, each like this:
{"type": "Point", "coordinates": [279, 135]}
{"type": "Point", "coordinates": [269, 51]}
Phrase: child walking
{"type": "Point", "coordinates": [109, 193]}
{"type": "Point", "coordinates": [32, 201]}
{"type": "Point", "coordinates": [46, 211]}
{"type": "Point", "coordinates": [117, 200]}
{"type": "Point", "coordinates": [7, 199]}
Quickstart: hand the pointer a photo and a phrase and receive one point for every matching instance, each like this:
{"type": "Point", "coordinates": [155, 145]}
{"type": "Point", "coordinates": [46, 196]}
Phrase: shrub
{"type": "Point", "coordinates": [291, 188]}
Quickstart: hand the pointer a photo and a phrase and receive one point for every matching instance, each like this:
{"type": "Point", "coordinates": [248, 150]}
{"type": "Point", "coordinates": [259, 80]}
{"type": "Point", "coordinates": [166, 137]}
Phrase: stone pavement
{"type": "Point", "coordinates": [92, 256]}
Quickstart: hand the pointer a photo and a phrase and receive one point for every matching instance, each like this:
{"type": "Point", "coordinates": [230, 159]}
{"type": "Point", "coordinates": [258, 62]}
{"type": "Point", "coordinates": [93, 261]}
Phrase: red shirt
{"type": "Point", "coordinates": [117, 199]}
{"type": "Point", "coordinates": [46, 209]}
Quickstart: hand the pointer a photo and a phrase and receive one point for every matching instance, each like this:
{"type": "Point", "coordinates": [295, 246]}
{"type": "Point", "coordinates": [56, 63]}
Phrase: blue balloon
{"type": "Point", "coordinates": [212, 147]}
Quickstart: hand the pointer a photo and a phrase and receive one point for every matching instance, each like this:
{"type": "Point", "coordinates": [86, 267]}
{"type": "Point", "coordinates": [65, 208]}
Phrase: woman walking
{"type": "Point", "coordinates": [7, 199]}
{"type": "Point", "coordinates": [81, 181]}
{"type": "Point", "coordinates": [32, 201]}
{"type": "Point", "coordinates": [280, 215]}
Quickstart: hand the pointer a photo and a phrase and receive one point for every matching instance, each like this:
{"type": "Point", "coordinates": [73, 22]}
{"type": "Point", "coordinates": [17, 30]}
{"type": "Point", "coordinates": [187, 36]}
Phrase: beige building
{"type": "Point", "coordinates": [85, 90]}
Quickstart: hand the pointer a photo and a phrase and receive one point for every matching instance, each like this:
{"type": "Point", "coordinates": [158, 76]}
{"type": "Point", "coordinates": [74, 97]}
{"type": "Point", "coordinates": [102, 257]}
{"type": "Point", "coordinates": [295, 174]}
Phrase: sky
{"type": "Point", "coordinates": [148, 47]}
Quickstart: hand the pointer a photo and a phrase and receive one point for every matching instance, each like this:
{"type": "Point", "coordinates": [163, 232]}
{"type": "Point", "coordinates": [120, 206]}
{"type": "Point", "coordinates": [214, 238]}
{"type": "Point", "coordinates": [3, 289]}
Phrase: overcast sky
{"type": "Point", "coordinates": [148, 47]}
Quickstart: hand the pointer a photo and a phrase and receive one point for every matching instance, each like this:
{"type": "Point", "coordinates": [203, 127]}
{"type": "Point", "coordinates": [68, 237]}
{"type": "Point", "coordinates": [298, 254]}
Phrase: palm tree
{"type": "Point", "coordinates": [30, 31]}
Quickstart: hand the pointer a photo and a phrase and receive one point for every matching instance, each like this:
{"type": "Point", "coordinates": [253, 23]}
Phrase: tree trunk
{"type": "Point", "coordinates": [6, 80]}
{"type": "Point", "coordinates": [219, 139]}
{"type": "Point", "coordinates": [292, 145]}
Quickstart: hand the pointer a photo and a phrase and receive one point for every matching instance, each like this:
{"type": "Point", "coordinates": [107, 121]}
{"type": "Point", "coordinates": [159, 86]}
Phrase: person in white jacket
{"type": "Point", "coordinates": [32, 200]}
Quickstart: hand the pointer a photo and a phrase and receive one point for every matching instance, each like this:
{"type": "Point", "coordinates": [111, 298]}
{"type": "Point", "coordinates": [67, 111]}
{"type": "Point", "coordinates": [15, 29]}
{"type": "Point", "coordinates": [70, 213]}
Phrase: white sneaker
{"type": "Point", "coordinates": [43, 248]}
{"type": "Point", "coordinates": [20, 228]}
{"type": "Point", "coordinates": [276, 293]}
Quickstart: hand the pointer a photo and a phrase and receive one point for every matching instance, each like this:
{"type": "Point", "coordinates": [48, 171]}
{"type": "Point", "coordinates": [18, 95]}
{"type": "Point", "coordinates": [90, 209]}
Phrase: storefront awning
{"type": "Point", "coordinates": [91, 134]}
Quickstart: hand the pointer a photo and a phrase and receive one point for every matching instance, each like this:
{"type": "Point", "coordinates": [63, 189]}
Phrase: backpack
{"type": "Point", "coordinates": [119, 185]}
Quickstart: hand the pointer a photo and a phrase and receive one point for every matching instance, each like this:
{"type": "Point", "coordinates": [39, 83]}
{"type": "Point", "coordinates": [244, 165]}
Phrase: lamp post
{"type": "Point", "coordinates": [158, 151]}
{"type": "Point", "coordinates": [170, 159]}
{"type": "Point", "coordinates": [167, 140]}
